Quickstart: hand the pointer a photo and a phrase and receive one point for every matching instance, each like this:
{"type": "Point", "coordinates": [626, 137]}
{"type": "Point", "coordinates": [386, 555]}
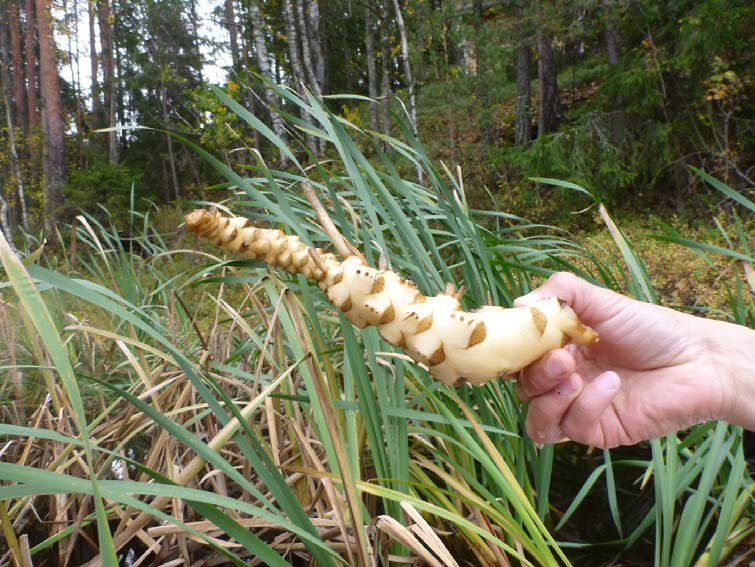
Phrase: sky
{"type": "Point", "coordinates": [214, 63]}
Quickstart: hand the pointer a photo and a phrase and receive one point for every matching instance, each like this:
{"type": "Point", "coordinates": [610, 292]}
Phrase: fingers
{"type": "Point", "coordinates": [582, 421]}
{"type": "Point", "coordinates": [574, 409]}
{"type": "Point", "coordinates": [589, 301]}
{"type": "Point", "coordinates": [546, 412]}
{"type": "Point", "coordinates": [545, 374]}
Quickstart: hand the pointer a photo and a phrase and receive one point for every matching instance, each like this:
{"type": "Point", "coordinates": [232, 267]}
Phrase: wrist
{"type": "Point", "coordinates": [733, 352]}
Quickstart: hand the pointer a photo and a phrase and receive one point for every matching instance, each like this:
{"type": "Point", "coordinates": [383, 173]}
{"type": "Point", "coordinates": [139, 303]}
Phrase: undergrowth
{"type": "Point", "coordinates": [165, 403]}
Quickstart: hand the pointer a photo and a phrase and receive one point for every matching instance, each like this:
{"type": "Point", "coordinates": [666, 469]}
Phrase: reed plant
{"type": "Point", "coordinates": [167, 404]}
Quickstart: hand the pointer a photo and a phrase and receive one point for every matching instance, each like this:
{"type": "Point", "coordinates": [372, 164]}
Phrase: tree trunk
{"type": "Point", "coordinates": [108, 75]}
{"type": "Point", "coordinates": [195, 36]}
{"type": "Point", "coordinates": [369, 29]}
{"type": "Point", "coordinates": [523, 133]}
{"type": "Point", "coordinates": [31, 63]}
{"type": "Point", "coordinates": [296, 67]}
{"type": "Point", "coordinates": [5, 76]}
{"type": "Point", "coordinates": [613, 39]}
{"type": "Point", "coordinates": [263, 62]}
{"type": "Point", "coordinates": [73, 63]}
{"type": "Point", "coordinates": [19, 83]}
{"type": "Point", "coordinates": [230, 24]}
{"type": "Point", "coordinates": [4, 223]}
{"type": "Point", "coordinates": [293, 45]}
{"type": "Point", "coordinates": [169, 140]}
{"type": "Point", "coordinates": [120, 110]}
{"type": "Point", "coordinates": [95, 66]}
{"type": "Point", "coordinates": [315, 41]}
{"type": "Point", "coordinates": [306, 49]}
{"type": "Point", "coordinates": [549, 106]}
{"type": "Point", "coordinates": [385, 60]}
{"type": "Point", "coordinates": [54, 147]}
{"type": "Point", "coordinates": [407, 67]}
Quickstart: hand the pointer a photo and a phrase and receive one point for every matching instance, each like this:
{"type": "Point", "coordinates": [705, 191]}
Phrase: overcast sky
{"type": "Point", "coordinates": [213, 62]}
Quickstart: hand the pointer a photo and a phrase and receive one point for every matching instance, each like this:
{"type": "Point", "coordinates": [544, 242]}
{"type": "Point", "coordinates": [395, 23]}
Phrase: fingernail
{"type": "Point", "coordinates": [608, 381]}
{"type": "Point", "coordinates": [529, 299]}
{"type": "Point", "coordinates": [544, 438]}
{"type": "Point", "coordinates": [553, 366]}
{"type": "Point", "coordinates": [566, 387]}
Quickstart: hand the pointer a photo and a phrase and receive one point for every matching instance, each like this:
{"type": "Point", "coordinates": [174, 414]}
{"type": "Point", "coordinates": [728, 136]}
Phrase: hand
{"type": "Point", "coordinates": [653, 371]}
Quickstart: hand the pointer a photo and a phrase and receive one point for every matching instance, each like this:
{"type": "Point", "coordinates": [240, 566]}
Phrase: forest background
{"type": "Point", "coordinates": [618, 96]}
{"type": "Point", "coordinates": [111, 111]}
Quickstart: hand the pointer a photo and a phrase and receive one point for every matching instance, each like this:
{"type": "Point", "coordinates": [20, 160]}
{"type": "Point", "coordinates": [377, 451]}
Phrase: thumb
{"type": "Point", "coordinates": [589, 301]}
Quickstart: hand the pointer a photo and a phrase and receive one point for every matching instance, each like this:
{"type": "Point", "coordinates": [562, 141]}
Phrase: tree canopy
{"type": "Point", "coordinates": [618, 96]}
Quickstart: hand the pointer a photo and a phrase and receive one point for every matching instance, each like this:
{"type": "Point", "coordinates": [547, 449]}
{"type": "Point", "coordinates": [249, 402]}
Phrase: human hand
{"type": "Point", "coordinates": [653, 371]}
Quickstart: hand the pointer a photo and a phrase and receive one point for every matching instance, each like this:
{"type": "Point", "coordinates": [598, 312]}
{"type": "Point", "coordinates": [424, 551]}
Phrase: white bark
{"type": "Point", "coordinates": [369, 29]}
{"type": "Point", "coordinates": [292, 41]}
{"type": "Point", "coordinates": [407, 67]}
{"type": "Point", "coordinates": [4, 224]}
{"type": "Point", "coordinates": [316, 43]}
{"type": "Point", "coordinates": [385, 60]}
{"type": "Point", "coordinates": [306, 48]}
{"type": "Point", "coordinates": [263, 62]}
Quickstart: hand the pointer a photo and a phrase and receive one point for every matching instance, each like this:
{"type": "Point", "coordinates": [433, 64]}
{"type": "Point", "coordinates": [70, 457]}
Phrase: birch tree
{"type": "Point", "coordinates": [407, 67]}
{"type": "Point", "coordinates": [229, 20]}
{"type": "Point", "coordinates": [300, 80]}
{"type": "Point", "coordinates": [315, 40]}
{"type": "Point", "coordinates": [369, 31]}
{"type": "Point", "coordinates": [385, 62]}
{"type": "Point", "coordinates": [306, 48]}
{"type": "Point", "coordinates": [263, 63]}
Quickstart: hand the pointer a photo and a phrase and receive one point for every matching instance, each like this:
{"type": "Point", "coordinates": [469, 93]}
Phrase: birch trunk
{"type": "Point", "coordinates": [54, 143]}
{"type": "Point", "coordinates": [306, 49]}
{"type": "Point", "coordinates": [73, 64]}
{"type": "Point", "coordinates": [292, 41]}
{"type": "Point", "coordinates": [230, 24]}
{"type": "Point", "coordinates": [263, 62]}
{"type": "Point", "coordinates": [407, 66]}
{"type": "Point", "coordinates": [315, 41]}
{"type": "Point", "coordinates": [369, 30]}
{"type": "Point", "coordinates": [385, 57]}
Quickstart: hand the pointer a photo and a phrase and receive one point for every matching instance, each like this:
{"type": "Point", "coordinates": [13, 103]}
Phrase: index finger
{"type": "Point", "coordinates": [590, 302]}
{"type": "Point", "coordinates": [547, 372]}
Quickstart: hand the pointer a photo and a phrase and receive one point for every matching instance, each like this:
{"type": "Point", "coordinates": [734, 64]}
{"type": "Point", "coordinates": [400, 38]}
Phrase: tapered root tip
{"type": "Point", "coordinates": [197, 220]}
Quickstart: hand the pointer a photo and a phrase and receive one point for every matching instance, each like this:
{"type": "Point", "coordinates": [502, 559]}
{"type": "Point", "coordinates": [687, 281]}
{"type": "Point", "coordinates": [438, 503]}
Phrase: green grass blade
{"type": "Point", "coordinates": [40, 317]}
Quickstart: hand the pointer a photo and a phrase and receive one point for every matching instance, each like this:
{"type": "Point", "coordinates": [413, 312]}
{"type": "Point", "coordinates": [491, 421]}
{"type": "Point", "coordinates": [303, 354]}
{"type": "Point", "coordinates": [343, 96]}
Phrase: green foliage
{"type": "Point", "coordinates": [609, 153]}
{"type": "Point", "coordinates": [317, 419]}
{"type": "Point", "coordinates": [103, 189]}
